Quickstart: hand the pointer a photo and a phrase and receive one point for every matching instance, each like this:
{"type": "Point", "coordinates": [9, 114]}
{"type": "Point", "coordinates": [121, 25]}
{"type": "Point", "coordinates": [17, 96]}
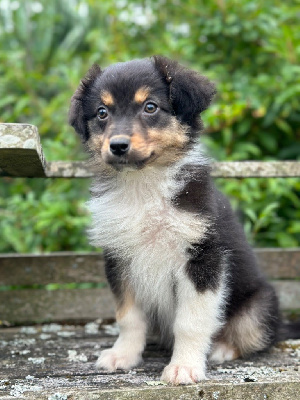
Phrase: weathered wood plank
{"type": "Point", "coordinates": [28, 269]}
{"type": "Point", "coordinates": [21, 152]}
{"type": "Point", "coordinates": [26, 306]}
{"type": "Point", "coordinates": [279, 263]}
{"type": "Point", "coordinates": [58, 363]}
{"type": "Point", "coordinates": [64, 267]}
{"type": "Point", "coordinates": [288, 293]}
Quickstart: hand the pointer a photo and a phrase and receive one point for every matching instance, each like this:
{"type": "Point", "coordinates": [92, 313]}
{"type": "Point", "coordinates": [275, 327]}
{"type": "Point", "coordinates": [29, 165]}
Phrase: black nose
{"type": "Point", "coordinates": [119, 145]}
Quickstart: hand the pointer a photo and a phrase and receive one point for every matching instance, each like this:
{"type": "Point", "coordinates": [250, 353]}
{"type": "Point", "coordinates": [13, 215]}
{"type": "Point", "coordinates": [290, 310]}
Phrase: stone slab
{"type": "Point", "coordinates": [56, 362]}
{"type": "Point", "coordinates": [21, 153]}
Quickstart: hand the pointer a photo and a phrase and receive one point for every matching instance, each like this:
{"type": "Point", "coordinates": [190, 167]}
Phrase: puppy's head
{"type": "Point", "coordinates": [140, 112]}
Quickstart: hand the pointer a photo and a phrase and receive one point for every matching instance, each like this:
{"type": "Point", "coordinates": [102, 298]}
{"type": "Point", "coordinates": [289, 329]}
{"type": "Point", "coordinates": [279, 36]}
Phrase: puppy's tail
{"type": "Point", "coordinates": [289, 331]}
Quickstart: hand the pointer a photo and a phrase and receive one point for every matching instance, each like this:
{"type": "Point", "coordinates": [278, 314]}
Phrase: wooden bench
{"type": "Point", "coordinates": [54, 358]}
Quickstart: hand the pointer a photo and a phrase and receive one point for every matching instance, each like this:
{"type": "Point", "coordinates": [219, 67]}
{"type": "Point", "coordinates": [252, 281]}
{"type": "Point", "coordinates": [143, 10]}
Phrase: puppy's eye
{"type": "Point", "coordinates": [102, 112]}
{"type": "Point", "coordinates": [150, 108]}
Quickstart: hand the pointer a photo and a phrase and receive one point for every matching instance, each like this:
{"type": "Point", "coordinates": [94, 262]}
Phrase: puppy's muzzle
{"type": "Point", "coordinates": [119, 145]}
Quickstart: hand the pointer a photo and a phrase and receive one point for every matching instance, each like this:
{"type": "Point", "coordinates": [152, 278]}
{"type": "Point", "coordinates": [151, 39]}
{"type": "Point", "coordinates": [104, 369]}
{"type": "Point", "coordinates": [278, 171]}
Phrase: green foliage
{"type": "Point", "coordinates": [250, 48]}
{"type": "Point", "coordinates": [43, 215]}
{"type": "Point", "coordinates": [270, 209]}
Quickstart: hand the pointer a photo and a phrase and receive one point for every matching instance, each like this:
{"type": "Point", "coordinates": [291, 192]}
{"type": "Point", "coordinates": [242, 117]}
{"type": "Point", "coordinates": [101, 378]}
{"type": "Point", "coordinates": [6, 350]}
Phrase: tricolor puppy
{"type": "Point", "coordinates": [176, 257]}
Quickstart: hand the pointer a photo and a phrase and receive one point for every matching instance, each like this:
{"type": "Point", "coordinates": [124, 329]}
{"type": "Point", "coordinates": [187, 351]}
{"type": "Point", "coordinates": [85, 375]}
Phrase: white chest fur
{"type": "Point", "coordinates": [134, 218]}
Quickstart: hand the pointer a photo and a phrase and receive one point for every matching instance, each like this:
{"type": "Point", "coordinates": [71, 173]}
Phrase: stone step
{"type": "Point", "coordinates": [56, 362]}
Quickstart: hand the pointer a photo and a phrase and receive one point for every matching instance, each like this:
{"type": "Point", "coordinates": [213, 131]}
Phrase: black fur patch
{"type": "Point", "coordinates": [77, 117]}
{"type": "Point", "coordinates": [190, 93]}
{"type": "Point", "coordinates": [205, 264]}
{"type": "Point", "coordinates": [113, 274]}
{"type": "Point", "coordinates": [196, 196]}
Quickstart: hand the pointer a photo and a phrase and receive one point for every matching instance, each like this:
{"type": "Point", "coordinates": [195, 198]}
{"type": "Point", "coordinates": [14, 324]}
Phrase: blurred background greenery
{"type": "Point", "coordinates": [250, 48]}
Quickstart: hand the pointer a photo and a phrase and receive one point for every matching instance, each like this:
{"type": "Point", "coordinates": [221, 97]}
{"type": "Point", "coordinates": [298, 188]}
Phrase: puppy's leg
{"type": "Point", "coordinates": [127, 350]}
{"type": "Point", "coordinates": [197, 319]}
{"type": "Point", "coordinates": [253, 328]}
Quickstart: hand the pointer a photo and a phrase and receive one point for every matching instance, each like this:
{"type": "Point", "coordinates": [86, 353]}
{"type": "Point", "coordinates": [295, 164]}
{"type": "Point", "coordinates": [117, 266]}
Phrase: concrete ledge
{"type": "Point", "coordinates": [228, 169]}
{"type": "Point", "coordinates": [56, 362]}
{"type": "Point", "coordinates": [21, 152]}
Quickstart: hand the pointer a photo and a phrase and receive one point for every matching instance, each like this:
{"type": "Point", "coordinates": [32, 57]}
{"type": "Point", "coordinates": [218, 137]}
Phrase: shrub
{"type": "Point", "coordinates": [250, 48]}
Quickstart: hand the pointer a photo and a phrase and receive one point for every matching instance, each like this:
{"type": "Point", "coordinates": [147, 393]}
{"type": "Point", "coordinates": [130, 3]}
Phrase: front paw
{"type": "Point", "coordinates": [112, 359]}
{"type": "Point", "coordinates": [182, 374]}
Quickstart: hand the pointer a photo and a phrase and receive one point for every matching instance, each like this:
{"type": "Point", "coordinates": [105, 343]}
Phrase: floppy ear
{"type": "Point", "coordinates": [190, 92]}
{"type": "Point", "coordinates": [77, 118]}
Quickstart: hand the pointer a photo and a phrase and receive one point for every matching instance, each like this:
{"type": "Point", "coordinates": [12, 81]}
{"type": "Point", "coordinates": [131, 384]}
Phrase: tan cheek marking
{"type": "Point", "coordinates": [167, 138]}
{"type": "Point", "coordinates": [138, 143]}
{"type": "Point", "coordinates": [107, 98]}
{"type": "Point", "coordinates": [105, 146]}
{"type": "Point", "coordinates": [169, 143]}
{"type": "Point", "coordinates": [172, 136]}
{"type": "Point", "coordinates": [141, 94]}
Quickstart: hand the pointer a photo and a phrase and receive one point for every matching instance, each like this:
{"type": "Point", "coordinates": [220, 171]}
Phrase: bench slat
{"type": "Point", "coordinates": [279, 263]}
{"type": "Point", "coordinates": [288, 293]}
{"type": "Point", "coordinates": [71, 267]}
{"type": "Point", "coordinates": [27, 306]}
{"type": "Point", "coordinates": [23, 269]}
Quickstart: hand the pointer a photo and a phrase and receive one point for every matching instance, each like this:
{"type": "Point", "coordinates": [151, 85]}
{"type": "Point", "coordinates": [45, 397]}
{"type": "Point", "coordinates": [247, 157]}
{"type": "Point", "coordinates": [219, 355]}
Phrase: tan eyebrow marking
{"type": "Point", "coordinates": [141, 94]}
{"type": "Point", "coordinates": [107, 98]}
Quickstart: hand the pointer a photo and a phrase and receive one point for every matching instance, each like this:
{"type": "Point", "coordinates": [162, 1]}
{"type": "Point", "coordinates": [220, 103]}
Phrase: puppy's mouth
{"type": "Point", "coordinates": [127, 161]}
{"type": "Point", "coordinates": [147, 160]}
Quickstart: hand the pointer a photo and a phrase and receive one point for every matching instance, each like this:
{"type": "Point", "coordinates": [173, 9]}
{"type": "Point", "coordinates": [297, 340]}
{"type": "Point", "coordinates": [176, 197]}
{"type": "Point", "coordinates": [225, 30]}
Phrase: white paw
{"type": "Point", "coordinates": [112, 359]}
{"type": "Point", "coordinates": [182, 374]}
{"type": "Point", "coordinates": [223, 352]}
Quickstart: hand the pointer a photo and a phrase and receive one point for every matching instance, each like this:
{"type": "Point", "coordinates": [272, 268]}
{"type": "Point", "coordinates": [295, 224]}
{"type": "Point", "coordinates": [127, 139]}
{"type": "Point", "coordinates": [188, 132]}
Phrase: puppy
{"type": "Point", "coordinates": [176, 257]}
